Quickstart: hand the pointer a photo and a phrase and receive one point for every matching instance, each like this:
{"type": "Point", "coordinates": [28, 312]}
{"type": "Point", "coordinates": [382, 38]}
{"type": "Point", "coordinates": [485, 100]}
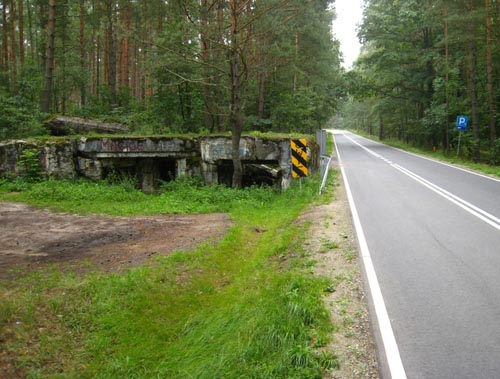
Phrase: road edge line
{"type": "Point", "coordinates": [392, 354]}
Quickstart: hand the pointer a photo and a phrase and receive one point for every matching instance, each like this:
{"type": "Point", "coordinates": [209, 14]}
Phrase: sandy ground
{"type": "Point", "coordinates": [332, 244]}
{"type": "Point", "coordinates": [31, 239]}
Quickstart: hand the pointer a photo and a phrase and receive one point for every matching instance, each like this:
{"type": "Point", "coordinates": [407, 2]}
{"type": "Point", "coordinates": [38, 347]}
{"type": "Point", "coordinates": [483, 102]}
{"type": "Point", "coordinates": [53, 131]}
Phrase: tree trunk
{"type": "Point", "coordinates": [63, 89]}
{"type": "Point", "coordinates": [21, 32]}
{"type": "Point", "coordinates": [261, 99]}
{"type": "Point", "coordinates": [161, 14]}
{"type": "Point", "coordinates": [125, 45]}
{"type": "Point", "coordinates": [295, 79]}
{"type": "Point", "coordinates": [261, 79]}
{"type": "Point", "coordinates": [446, 134]}
{"type": "Point", "coordinates": [148, 88]}
{"type": "Point", "coordinates": [206, 54]}
{"type": "Point", "coordinates": [473, 83]}
{"type": "Point", "coordinates": [219, 119]}
{"type": "Point", "coordinates": [489, 72]}
{"type": "Point", "coordinates": [134, 75]}
{"type": "Point", "coordinates": [381, 130]}
{"type": "Point", "coordinates": [46, 104]}
{"type": "Point", "coordinates": [111, 56]}
{"type": "Point", "coordinates": [13, 55]}
{"type": "Point", "coordinates": [32, 41]}
{"type": "Point", "coordinates": [5, 38]}
{"type": "Point", "coordinates": [236, 117]}
{"type": "Point", "coordinates": [100, 51]}
{"type": "Point", "coordinates": [83, 88]}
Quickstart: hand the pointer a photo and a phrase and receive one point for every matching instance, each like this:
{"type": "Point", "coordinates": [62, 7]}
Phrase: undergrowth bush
{"type": "Point", "coordinates": [29, 163]}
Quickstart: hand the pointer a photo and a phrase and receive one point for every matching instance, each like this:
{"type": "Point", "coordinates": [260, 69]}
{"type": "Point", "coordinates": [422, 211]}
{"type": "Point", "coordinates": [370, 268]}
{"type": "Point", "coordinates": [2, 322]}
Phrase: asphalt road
{"type": "Point", "coordinates": [430, 241]}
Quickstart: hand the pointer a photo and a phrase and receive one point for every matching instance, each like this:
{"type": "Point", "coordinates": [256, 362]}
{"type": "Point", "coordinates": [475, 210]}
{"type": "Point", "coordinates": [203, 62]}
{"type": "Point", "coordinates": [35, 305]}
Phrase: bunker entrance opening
{"type": "Point", "coordinates": [167, 169]}
{"type": "Point", "coordinates": [259, 173]}
{"type": "Point", "coordinates": [140, 169]}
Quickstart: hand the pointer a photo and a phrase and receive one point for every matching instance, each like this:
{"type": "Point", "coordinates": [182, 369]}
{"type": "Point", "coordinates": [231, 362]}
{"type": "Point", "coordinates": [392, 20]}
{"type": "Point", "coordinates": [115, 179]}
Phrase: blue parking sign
{"type": "Point", "coordinates": [462, 122]}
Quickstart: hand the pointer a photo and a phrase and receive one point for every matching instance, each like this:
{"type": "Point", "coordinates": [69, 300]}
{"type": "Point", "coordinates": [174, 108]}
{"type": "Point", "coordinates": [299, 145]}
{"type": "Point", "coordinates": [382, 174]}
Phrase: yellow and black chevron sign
{"type": "Point", "coordinates": [299, 158]}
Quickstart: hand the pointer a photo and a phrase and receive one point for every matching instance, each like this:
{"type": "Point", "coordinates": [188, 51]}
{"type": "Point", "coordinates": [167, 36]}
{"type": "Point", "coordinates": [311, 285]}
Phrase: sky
{"type": "Point", "coordinates": [349, 16]}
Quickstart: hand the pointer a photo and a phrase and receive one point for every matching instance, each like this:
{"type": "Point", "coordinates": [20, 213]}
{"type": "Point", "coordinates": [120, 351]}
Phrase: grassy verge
{"type": "Point", "coordinates": [248, 307]}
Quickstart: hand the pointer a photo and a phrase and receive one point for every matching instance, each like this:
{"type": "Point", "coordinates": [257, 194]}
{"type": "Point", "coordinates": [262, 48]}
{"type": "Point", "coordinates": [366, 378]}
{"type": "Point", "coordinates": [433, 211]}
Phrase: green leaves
{"type": "Point", "coordinates": [18, 118]}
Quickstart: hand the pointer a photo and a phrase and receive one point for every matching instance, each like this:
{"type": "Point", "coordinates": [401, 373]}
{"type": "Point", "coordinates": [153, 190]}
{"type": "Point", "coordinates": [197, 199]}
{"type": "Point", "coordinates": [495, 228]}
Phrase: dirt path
{"type": "Point", "coordinates": [31, 239]}
{"type": "Point", "coordinates": [332, 244]}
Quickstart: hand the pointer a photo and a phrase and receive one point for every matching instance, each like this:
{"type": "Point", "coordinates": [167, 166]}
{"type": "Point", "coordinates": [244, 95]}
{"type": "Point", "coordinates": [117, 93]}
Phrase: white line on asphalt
{"type": "Point", "coordinates": [437, 161]}
{"type": "Point", "coordinates": [389, 341]}
{"type": "Point", "coordinates": [446, 164]}
{"type": "Point", "coordinates": [470, 208]}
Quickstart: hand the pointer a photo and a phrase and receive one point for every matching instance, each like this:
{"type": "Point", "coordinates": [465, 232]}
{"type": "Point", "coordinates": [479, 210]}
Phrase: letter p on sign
{"type": "Point", "coordinates": [462, 122]}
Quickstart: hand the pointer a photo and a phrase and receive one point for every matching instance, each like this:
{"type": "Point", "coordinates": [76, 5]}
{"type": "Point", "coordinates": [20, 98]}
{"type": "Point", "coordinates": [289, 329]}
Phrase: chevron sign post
{"type": "Point", "coordinates": [299, 158]}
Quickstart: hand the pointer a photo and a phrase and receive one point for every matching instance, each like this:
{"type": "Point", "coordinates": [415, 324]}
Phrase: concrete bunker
{"type": "Point", "coordinates": [266, 161]}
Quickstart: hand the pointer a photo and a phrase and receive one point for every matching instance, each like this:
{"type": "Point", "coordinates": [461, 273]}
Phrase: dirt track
{"type": "Point", "coordinates": [31, 238]}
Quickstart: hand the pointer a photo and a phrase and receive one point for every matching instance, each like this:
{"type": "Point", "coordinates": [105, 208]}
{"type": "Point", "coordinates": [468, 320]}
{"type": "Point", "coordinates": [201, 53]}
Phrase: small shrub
{"type": "Point", "coordinates": [127, 181]}
{"type": "Point", "coordinates": [30, 165]}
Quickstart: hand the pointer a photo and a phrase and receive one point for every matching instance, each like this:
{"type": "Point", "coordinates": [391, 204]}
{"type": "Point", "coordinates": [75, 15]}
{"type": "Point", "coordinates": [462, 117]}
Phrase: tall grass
{"type": "Point", "coordinates": [87, 197]}
{"type": "Point", "coordinates": [248, 307]}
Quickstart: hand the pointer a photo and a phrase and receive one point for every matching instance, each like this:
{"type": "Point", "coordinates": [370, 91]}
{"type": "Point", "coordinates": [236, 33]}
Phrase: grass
{"type": "Point", "coordinates": [330, 147]}
{"type": "Point", "coordinates": [248, 307]}
{"type": "Point", "coordinates": [123, 199]}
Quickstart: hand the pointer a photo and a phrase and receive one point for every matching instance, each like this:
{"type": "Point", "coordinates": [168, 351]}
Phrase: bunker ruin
{"type": "Point", "coordinates": [153, 159]}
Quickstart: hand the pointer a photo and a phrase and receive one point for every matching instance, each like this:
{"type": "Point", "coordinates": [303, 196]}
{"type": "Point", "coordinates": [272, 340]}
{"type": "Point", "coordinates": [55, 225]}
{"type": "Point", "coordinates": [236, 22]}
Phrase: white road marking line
{"type": "Point", "coordinates": [470, 208]}
{"type": "Point", "coordinates": [436, 161]}
{"type": "Point", "coordinates": [389, 341]}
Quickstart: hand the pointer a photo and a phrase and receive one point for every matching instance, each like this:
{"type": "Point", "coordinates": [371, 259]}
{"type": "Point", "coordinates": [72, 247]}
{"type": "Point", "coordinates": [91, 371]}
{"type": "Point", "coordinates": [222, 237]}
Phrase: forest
{"type": "Point", "coordinates": [211, 66]}
{"type": "Point", "coordinates": [169, 66]}
{"type": "Point", "coordinates": [424, 62]}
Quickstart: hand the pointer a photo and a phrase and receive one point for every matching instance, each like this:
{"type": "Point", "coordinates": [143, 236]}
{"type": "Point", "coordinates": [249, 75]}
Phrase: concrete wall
{"type": "Point", "coordinates": [138, 147]}
{"type": "Point", "coordinates": [93, 157]}
{"type": "Point", "coordinates": [57, 158]}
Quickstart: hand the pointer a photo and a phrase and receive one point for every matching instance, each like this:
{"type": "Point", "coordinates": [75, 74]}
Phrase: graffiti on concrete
{"type": "Point", "coordinates": [219, 152]}
{"type": "Point", "coordinates": [117, 146]}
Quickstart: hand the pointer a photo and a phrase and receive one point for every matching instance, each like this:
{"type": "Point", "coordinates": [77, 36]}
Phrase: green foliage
{"type": "Point", "coordinates": [120, 196]}
{"type": "Point", "coordinates": [495, 153]}
{"type": "Point", "coordinates": [294, 111]}
{"type": "Point", "coordinates": [231, 310]}
{"type": "Point", "coordinates": [177, 75]}
{"type": "Point", "coordinates": [18, 118]}
{"type": "Point", "coordinates": [29, 163]}
{"type": "Point", "coordinates": [17, 184]}
{"type": "Point", "coordinates": [414, 76]}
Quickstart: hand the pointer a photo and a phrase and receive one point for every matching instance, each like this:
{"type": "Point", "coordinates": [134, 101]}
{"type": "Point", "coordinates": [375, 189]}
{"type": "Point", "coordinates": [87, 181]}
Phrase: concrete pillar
{"type": "Point", "coordinates": [90, 168]}
{"type": "Point", "coordinates": [148, 175]}
{"type": "Point", "coordinates": [209, 172]}
{"type": "Point", "coordinates": [181, 168]}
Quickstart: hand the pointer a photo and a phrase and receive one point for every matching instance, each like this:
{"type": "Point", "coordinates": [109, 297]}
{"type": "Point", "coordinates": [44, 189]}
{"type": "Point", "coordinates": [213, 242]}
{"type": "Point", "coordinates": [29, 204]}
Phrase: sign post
{"type": "Point", "coordinates": [462, 122]}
